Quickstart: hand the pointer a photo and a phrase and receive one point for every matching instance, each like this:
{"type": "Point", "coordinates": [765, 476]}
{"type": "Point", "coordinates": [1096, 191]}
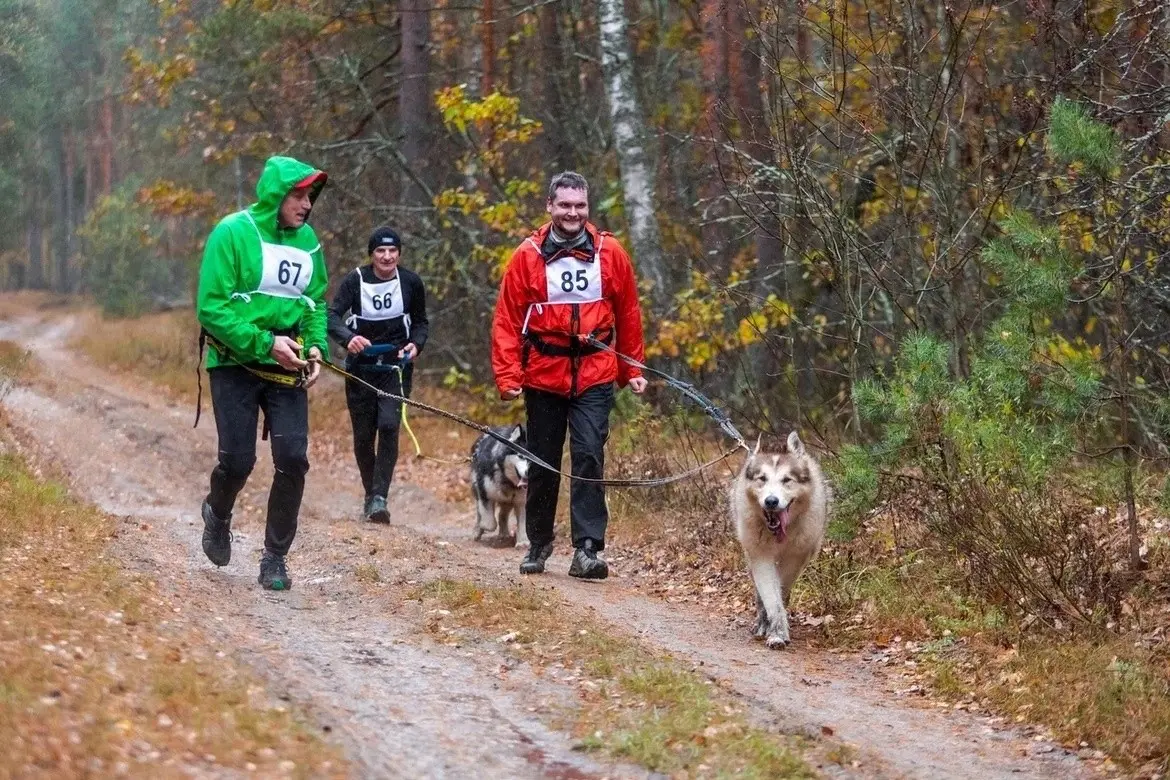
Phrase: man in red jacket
{"type": "Point", "coordinates": [567, 281]}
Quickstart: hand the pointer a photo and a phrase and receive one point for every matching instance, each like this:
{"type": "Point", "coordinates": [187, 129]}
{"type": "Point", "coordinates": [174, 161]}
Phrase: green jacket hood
{"type": "Point", "coordinates": [281, 174]}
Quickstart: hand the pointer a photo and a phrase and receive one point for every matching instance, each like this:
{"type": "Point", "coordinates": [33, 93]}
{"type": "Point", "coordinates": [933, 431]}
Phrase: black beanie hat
{"type": "Point", "coordinates": [383, 236]}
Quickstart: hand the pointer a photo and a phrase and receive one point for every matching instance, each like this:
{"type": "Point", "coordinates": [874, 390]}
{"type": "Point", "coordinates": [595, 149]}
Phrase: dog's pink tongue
{"type": "Point", "coordinates": [784, 522]}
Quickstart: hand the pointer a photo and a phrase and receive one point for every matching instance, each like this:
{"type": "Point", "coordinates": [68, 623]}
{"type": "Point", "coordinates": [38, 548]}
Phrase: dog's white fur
{"type": "Point", "coordinates": [768, 484]}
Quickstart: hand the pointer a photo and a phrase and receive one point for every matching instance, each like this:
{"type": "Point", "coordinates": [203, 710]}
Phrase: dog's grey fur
{"type": "Point", "coordinates": [499, 483]}
{"type": "Point", "coordinates": [786, 488]}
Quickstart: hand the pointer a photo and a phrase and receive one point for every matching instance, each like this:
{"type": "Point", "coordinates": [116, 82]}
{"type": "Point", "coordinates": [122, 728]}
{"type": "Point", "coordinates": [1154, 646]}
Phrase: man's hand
{"type": "Point", "coordinates": [408, 352]}
{"type": "Point", "coordinates": [284, 351]}
{"type": "Point", "coordinates": [314, 367]}
{"type": "Point", "coordinates": [638, 384]}
{"type": "Point", "coordinates": [510, 395]}
{"type": "Point", "coordinates": [357, 344]}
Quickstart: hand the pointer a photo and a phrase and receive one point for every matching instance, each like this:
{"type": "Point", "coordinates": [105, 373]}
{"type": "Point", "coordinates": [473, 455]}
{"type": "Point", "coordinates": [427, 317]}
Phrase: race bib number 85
{"type": "Point", "coordinates": [570, 280]}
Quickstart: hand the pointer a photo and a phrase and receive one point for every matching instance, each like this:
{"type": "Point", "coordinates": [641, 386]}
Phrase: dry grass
{"type": "Point", "coordinates": [36, 303]}
{"type": "Point", "coordinates": [635, 704]}
{"type": "Point", "coordinates": [14, 366]}
{"type": "Point", "coordinates": [95, 677]}
{"type": "Point", "coordinates": [161, 348]}
{"type": "Point", "coordinates": [1108, 693]}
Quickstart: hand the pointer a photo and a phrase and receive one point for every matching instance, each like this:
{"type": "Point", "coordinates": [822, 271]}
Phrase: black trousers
{"type": "Point", "coordinates": [238, 397]}
{"type": "Point", "coordinates": [587, 419]}
{"type": "Point", "coordinates": [376, 421]}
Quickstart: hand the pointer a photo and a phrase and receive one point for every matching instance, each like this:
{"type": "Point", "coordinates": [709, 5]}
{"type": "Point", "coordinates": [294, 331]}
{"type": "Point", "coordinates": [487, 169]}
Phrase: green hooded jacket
{"type": "Point", "coordinates": [258, 277]}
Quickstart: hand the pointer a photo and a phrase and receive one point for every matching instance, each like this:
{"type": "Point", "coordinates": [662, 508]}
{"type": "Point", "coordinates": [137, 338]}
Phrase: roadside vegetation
{"type": "Point", "coordinates": [97, 678]}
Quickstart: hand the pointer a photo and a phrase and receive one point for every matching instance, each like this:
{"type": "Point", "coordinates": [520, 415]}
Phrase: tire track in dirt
{"type": "Point", "coordinates": [402, 704]}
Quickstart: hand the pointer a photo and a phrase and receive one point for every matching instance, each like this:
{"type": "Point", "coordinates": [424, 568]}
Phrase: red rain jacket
{"type": "Point", "coordinates": [549, 298]}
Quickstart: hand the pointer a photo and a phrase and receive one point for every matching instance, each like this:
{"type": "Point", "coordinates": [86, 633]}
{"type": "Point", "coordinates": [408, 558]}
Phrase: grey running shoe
{"type": "Point", "coordinates": [586, 565]}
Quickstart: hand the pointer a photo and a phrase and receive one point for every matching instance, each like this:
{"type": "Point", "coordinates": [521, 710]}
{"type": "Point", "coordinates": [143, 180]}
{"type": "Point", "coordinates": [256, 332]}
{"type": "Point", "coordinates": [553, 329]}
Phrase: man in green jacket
{"type": "Point", "coordinates": [261, 302]}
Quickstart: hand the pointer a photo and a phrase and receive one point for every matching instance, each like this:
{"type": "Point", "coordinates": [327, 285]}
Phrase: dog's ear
{"type": "Point", "coordinates": [517, 433]}
{"type": "Point", "coordinates": [756, 449]}
{"type": "Point", "coordinates": [795, 445]}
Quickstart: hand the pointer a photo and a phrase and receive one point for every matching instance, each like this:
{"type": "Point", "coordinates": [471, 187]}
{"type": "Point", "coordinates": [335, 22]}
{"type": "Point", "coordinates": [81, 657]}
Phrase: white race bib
{"type": "Point", "coordinates": [287, 270]}
{"type": "Point", "coordinates": [570, 280]}
{"type": "Point", "coordinates": [382, 301]}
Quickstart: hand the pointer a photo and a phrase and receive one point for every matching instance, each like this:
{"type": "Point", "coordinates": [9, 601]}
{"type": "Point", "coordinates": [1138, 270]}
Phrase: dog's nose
{"type": "Point", "coordinates": [771, 502]}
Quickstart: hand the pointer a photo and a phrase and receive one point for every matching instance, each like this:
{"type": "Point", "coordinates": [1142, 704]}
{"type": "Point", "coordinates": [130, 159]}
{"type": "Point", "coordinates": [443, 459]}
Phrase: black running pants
{"type": "Point", "coordinates": [376, 420]}
{"type": "Point", "coordinates": [238, 398]}
{"type": "Point", "coordinates": [587, 420]}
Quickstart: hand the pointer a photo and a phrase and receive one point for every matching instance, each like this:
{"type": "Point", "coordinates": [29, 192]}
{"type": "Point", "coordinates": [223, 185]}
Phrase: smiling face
{"type": "Point", "coordinates": [569, 208]}
{"type": "Point", "coordinates": [295, 208]}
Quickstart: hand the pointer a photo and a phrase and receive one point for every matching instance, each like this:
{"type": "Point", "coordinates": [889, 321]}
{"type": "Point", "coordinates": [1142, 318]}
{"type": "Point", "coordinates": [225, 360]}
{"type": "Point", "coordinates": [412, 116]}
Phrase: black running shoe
{"type": "Point", "coordinates": [376, 511]}
{"type": "Point", "coordinates": [217, 537]}
{"type": "Point", "coordinates": [533, 562]}
{"type": "Point", "coordinates": [273, 573]}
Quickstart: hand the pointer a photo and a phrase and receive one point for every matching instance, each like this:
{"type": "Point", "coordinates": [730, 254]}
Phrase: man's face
{"type": "Point", "coordinates": [569, 208]}
{"type": "Point", "coordinates": [385, 261]}
{"type": "Point", "coordinates": [294, 209]}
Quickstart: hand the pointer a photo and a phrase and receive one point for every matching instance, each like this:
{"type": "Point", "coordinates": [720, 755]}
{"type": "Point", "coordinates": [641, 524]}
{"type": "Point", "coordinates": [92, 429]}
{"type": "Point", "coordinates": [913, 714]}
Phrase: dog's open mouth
{"type": "Point", "coordinates": [777, 520]}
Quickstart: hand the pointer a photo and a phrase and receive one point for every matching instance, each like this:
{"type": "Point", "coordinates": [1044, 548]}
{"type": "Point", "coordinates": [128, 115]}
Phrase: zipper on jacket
{"type": "Point", "coordinates": [574, 349]}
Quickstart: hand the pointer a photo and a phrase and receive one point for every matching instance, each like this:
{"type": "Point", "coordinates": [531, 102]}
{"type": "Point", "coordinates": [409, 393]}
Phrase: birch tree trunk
{"type": "Point", "coordinates": [629, 131]}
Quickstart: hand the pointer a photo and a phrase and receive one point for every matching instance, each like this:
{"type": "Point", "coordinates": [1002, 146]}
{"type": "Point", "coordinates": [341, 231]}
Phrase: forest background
{"type": "Point", "coordinates": [931, 235]}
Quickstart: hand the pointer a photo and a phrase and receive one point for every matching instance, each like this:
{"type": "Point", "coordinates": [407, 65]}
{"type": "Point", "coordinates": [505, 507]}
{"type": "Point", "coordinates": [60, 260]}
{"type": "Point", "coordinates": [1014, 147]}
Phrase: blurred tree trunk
{"type": "Point", "coordinates": [716, 92]}
{"type": "Point", "coordinates": [34, 237]}
{"type": "Point", "coordinates": [629, 131]}
{"type": "Point", "coordinates": [557, 149]}
{"type": "Point", "coordinates": [415, 96]}
{"type": "Point", "coordinates": [488, 40]}
{"type": "Point", "coordinates": [106, 150]}
{"type": "Point", "coordinates": [745, 72]}
{"type": "Point", "coordinates": [61, 216]}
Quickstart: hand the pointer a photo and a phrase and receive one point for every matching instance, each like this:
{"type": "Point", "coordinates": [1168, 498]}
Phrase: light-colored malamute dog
{"type": "Point", "coordinates": [499, 484]}
{"type": "Point", "coordinates": [779, 505]}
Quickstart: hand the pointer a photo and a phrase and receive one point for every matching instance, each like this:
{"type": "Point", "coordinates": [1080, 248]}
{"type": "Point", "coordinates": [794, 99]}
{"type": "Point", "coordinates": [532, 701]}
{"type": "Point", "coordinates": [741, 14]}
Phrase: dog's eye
{"type": "Point", "coordinates": [761, 478]}
{"type": "Point", "coordinates": [786, 481]}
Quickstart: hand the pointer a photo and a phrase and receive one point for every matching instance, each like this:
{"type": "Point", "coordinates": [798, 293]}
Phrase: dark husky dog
{"type": "Point", "coordinates": [499, 484]}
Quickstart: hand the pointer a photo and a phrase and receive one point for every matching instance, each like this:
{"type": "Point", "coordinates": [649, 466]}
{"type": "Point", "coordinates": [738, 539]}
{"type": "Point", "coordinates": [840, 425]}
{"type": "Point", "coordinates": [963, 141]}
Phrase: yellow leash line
{"type": "Point", "coordinates": [405, 423]}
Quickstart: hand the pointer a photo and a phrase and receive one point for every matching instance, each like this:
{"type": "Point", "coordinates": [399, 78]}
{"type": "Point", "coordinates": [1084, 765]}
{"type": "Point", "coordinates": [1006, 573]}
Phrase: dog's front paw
{"type": "Point", "coordinates": [761, 629]}
{"type": "Point", "coordinates": [777, 641]}
{"type": "Point", "coordinates": [477, 534]}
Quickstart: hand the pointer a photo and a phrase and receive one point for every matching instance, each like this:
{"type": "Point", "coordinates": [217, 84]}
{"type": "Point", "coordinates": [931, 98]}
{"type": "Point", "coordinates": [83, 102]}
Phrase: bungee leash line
{"type": "Point", "coordinates": [708, 406]}
{"type": "Point", "coordinates": [528, 454]}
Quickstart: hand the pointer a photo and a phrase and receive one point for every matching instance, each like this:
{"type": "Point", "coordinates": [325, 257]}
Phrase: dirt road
{"type": "Point", "coordinates": [398, 702]}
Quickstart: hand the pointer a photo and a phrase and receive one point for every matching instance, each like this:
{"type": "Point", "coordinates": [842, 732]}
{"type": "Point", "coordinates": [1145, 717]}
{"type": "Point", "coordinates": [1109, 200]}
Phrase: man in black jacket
{"type": "Point", "coordinates": [380, 316]}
